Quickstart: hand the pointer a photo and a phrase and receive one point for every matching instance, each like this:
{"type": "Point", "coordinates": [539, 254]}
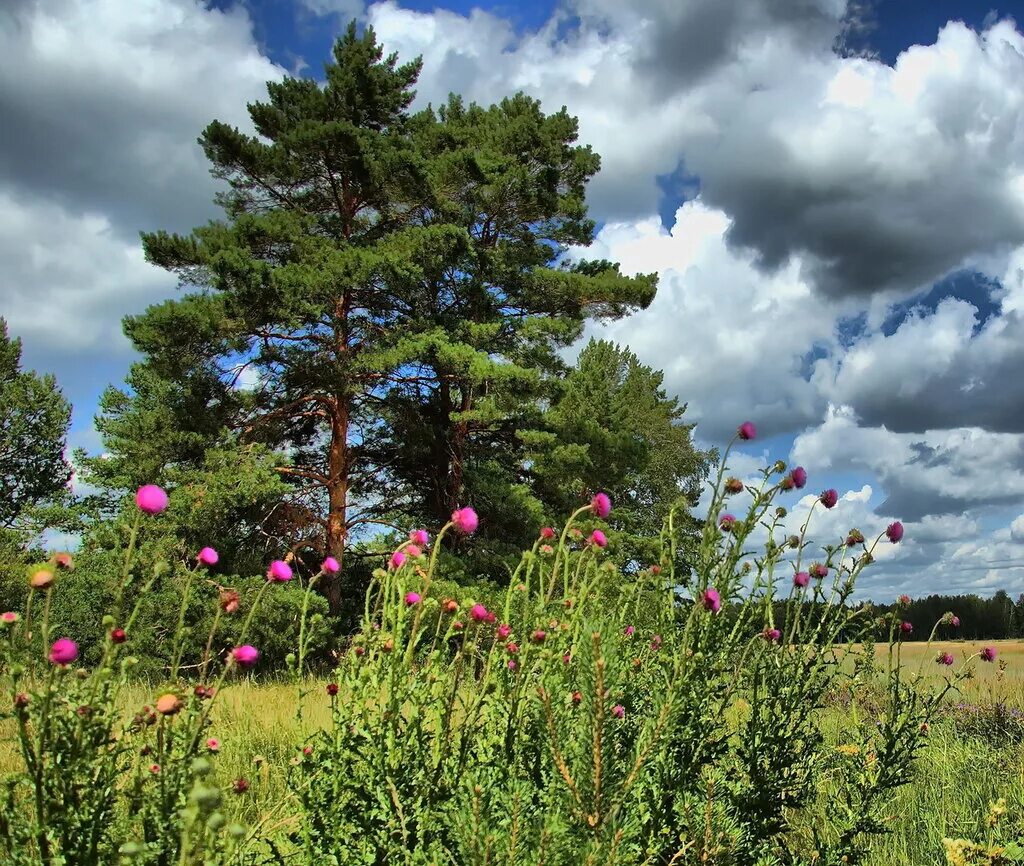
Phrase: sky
{"type": "Point", "coordinates": [832, 193]}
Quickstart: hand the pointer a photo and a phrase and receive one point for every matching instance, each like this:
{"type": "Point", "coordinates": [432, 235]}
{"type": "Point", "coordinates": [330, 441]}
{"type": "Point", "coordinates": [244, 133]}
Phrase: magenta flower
{"type": "Point", "coordinates": [829, 497]}
{"type": "Point", "coordinates": [726, 522]}
{"type": "Point", "coordinates": [539, 636]}
{"type": "Point", "coordinates": [478, 613]}
{"type": "Point", "coordinates": [9, 617]}
{"type": "Point", "coordinates": [747, 431]}
{"type": "Point", "coordinates": [151, 499]}
{"type": "Point", "coordinates": [397, 560]}
{"type": "Point", "coordinates": [656, 642]}
{"type": "Point", "coordinates": [601, 505]}
{"type": "Point", "coordinates": [988, 654]}
{"type": "Point", "coordinates": [906, 627]}
{"type": "Point", "coordinates": [944, 659]}
{"type": "Point", "coordinates": [213, 744]}
{"type": "Point", "coordinates": [599, 538]}
{"type": "Point", "coordinates": [420, 537]}
{"type": "Point", "coordinates": [330, 566]}
{"type": "Point", "coordinates": [465, 520]}
{"type": "Point", "coordinates": [208, 556]}
{"type": "Point", "coordinates": [954, 621]}
{"type": "Point", "coordinates": [799, 477]}
{"type": "Point", "coordinates": [771, 635]}
{"type": "Point", "coordinates": [566, 658]}
{"type": "Point", "coordinates": [547, 532]}
{"type": "Point", "coordinates": [801, 579]}
{"type": "Point", "coordinates": [711, 599]}
{"type": "Point", "coordinates": [819, 571]}
{"type": "Point", "coordinates": [504, 631]}
{"type": "Point", "coordinates": [511, 663]}
{"type": "Point", "coordinates": [412, 598]}
{"type": "Point", "coordinates": [894, 532]}
{"type": "Point", "coordinates": [413, 551]}
{"type": "Point", "coordinates": [279, 571]}
{"type": "Point", "coordinates": [619, 711]}
{"type": "Point", "coordinates": [63, 651]}
{"type": "Point", "coordinates": [629, 631]}
{"type": "Point", "coordinates": [245, 656]}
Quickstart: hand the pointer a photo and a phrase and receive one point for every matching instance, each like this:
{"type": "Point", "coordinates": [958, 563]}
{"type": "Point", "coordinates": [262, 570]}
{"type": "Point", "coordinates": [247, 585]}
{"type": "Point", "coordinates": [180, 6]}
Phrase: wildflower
{"type": "Point", "coordinates": [213, 744]}
{"type": "Point", "coordinates": [598, 538]}
{"type": "Point", "coordinates": [154, 769]}
{"type": "Point", "coordinates": [420, 537]}
{"type": "Point", "coordinates": [894, 532]}
{"type": "Point", "coordinates": [246, 656]}
{"type": "Point", "coordinates": [904, 600]}
{"type": "Point", "coordinates": [168, 705]}
{"type": "Point", "coordinates": [746, 431]}
{"type": "Point", "coordinates": [906, 627]}
{"type": "Point", "coordinates": [829, 497]}
{"type": "Point", "coordinates": [307, 751]}
{"type": "Point", "coordinates": [208, 556]}
{"type": "Point", "coordinates": [726, 522]}
{"type": "Point", "coordinates": [988, 654]}
{"type": "Point", "coordinates": [397, 560]}
{"type": "Point", "coordinates": [9, 617]}
{"type": "Point", "coordinates": [465, 521]}
{"type": "Point", "coordinates": [240, 785]}
{"type": "Point", "coordinates": [711, 600]}
{"type": "Point", "coordinates": [41, 579]}
{"type": "Point", "coordinates": [413, 551]}
{"type": "Point", "coordinates": [733, 485]}
{"type": "Point", "coordinates": [539, 636]}
{"type": "Point", "coordinates": [655, 570]}
{"type": "Point", "coordinates": [547, 532]}
{"type": "Point", "coordinates": [547, 549]}
{"type": "Point", "coordinates": [819, 571]}
{"type": "Point", "coordinates": [771, 635]}
{"type": "Point", "coordinates": [577, 697]}
{"type": "Point", "coordinates": [458, 625]}
{"type": "Point", "coordinates": [511, 664]}
{"type": "Point", "coordinates": [63, 651]}
{"type": "Point", "coordinates": [656, 642]}
{"type": "Point", "coordinates": [388, 645]}
{"type": "Point", "coordinates": [332, 689]}
{"type": "Point", "coordinates": [63, 561]}
{"type": "Point", "coordinates": [450, 605]}
{"type": "Point", "coordinates": [117, 635]}
{"type": "Point", "coordinates": [478, 612]}
{"type": "Point", "coordinates": [412, 598]}
{"type": "Point", "coordinates": [512, 647]}
{"type": "Point", "coordinates": [503, 631]}
{"type": "Point", "coordinates": [799, 477]}
{"type": "Point", "coordinates": [330, 566]}
{"type": "Point", "coordinates": [618, 711]}
{"type": "Point", "coordinates": [944, 659]}
{"type": "Point", "coordinates": [855, 537]}
{"type": "Point", "coordinates": [229, 600]}
{"type": "Point", "coordinates": [801, 579]}
{"type": "Point", "coordinates": [794, 542]}
{"type": "Point", "coordinates": [151, 499]}
{"type": "Point", "coordinates": [601, 505]}
{"type": "Point", "coordinates": [629, 630]}
{"type": "Point", "coordinates": [787, 483]}
{"type": "Point", "coordinates": [360, 651]}
{"type": "Point", "coordinates": [279, 571]}
{"type": "Point", "coordinates": [566, 658]}
{"type": "Point", "coordinates": [954, 621]}
{"type": "Point", "coordinates": [21, 700]}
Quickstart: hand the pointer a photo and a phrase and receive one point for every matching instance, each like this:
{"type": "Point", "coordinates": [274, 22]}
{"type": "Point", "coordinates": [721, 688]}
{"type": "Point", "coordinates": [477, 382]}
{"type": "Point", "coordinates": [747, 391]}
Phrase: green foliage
{"type": "Point", "coordinates": [34, 420]}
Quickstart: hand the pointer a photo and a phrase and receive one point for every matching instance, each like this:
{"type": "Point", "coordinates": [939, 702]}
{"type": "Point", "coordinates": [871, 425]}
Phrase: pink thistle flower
{"type": "Point", "coordinates": [512, 647]}
{"type": "Point", "coordinates": [547, 533]}
{"type": "Point", "coordinates": [771, 635]}
{"type": "Point", "coordinates": [619, 711]}
{"type": "Point", "coordinates": [503, 631]}
{"type": "Point", "coordinates": [330, 566]}
{"type": "Point", "coordinates": [944, 659]}
{"type": "Point", "coordinates": [726, 522]}
{"type": "Point", "coordinates": [566, 658]}
{"type": "Point", "coordinates": [855, 537]}
{"type": "Point", "coordinates": [151, 499]}
{"type": "Point", "coordinates": [332, 688]}
{"type": "Point", "coordinates": [420, 537]}
{"type": "Point", "coordinates": [894, 532]}
{"type": "Point", "coordinates": [799, 477]}
{"type": "Point", "coordinates": [601, 505]}
{"type": "Point", "coordinates": [801, 579]}
{"type": "Point", "coordinates": [577, 698]}
{"type": "Point", "coordinates": [906, 627]}
{"type": "Point", "coordinates": [213, 744]}
{"type": "Point", "coordinates": [547, 549]}
{"type": "Point", "coordinates": [9, 617]}
{"type": "Point", "coordinates": [988, 654]}
{"type": "Point", "coordinates": [829, 497]}
{"type": "Point", "coordinates": [955, 621]}
{"type": "Point", "coordinates": [711, 600]}
{"type": "Point", "coordinates": [413, 551]}
{"type": "Point", "coordinates": [629, 631]}
{"type": "Point", "coordinates": [412, 598]}
{"type": "Point", "coordinates": [154, 769]}
{"type": "Point", "coordinates": [397, 560]}
{"type": "Point", "coordinates": [655, 570]}
{"type": "Point", "coordinates": [117, 635]}
{"type": "Point", "coordinates": [240, 785]}
{"type": "Point", "coordinates": [539, 636]}
{"type": "Point", "coordinates": [747, 431]}
{"type": "Point", "coordinates": [465, 521]}
{"type": "Point", "coordinates": [208, 556]}
{"type": "Point", "coordinates": [491, 617]}
{"type": "Point", "coordinates": [733, 485]}
{"type": "Point", "coordinates": [598, 538]}
{"type": "Point", "coordinates": [656, 642]}
{"type": "Point", "coordinates": [279, 571]}
{"type": "Point", "coordinates": [478, 612]}
{"type": "Point", "coordinates": [511, 663]}
{"type": "Point", "coordinates": [819, 571]}
{"type": "Point", "coordinates": [63, 651]}
{"type": "Point", "coordinates": [904, 599]}
{"type": "Point", "coordinates": [245, 656]}
{"type": "Point", "coordinates": [458, 625]}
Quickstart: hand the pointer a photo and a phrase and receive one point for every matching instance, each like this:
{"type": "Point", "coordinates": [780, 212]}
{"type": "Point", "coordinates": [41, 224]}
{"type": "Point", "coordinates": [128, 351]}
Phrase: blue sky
{"type": "Point", "coordinates": [832, 193]}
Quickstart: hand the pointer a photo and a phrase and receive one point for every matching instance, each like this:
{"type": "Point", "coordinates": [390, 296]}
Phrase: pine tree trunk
{"type": "Point", "coordinates": [337, 494]}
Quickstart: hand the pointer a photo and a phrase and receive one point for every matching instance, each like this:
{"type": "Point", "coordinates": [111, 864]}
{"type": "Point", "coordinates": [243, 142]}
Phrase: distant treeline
{"type": "Point", "coordinates": [994, 618]}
